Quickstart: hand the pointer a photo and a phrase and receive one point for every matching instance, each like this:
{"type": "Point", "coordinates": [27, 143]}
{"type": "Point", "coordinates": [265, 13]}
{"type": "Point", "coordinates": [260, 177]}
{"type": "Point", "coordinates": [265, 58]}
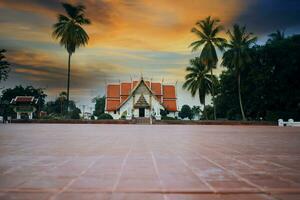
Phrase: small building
{"type": "Point", "coordinates": [24, 106]}
{"type": "Point", "coordinates": [141, 98]}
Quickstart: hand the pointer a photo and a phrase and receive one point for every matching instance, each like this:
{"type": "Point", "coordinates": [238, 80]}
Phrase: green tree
{"type": "Point", "coordinates": [208, 30]}
{"type": "Point", "coordinates": [185, 112]}
{"type": "Point", "coordinates": [58, 107]}
{"type": "Point", "coordinates": [99, 105]}
{"type": "Point", "coordinates": [10, 93]}
{"type": "Point", "coordinates": [278, 35]}
{"type": "Point", "coordinates": [4, 66]}
{"type": "Point", "coordinates": [237, 55]}
{"type": "Point", "coordinates": [198, 80]}
{"type": "Point", "coordinates": [70, 33]}
{"type": "Point", "coordinates": [196, 110]}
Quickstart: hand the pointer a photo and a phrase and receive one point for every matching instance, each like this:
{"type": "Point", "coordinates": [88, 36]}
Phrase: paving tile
{"type": "Point", "coordinates": [193, 197]}
{"type": "Point", "coordinates": [12, 181]}
{"type": "Point", "coordinates": [246, 197]}
{"type": "Point", "coordinates": [45, 183]}
{"type": "Point", "coordinates": [287, 196]}
{"type": "Point", "coordinates": [137, 196]}
{"type": "Point", "coordinates": [136, 162]}
{"type": "Point", "coordinates": [25, 196]}
{"type": "Point", "coordinates": [83, 196]}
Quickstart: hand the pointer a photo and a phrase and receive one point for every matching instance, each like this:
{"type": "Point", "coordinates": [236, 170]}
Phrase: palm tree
{"type": "Point", "coordinates": [198, 79]}
{"type": "Point", "coordinates": [208, 31]}
{"type": "Point", "coordinates": [276, 36]}
{"type": "Point", "coordinates": [70, 33]}
{"type": "Point", "coordinates": [237, 55]}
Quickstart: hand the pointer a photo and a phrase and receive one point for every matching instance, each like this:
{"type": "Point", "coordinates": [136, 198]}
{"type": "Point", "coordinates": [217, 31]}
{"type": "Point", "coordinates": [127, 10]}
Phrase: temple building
{"type": "Point", "coordinates": [24, 106]}
{"type": "Point", "coordinates": [140, 99]}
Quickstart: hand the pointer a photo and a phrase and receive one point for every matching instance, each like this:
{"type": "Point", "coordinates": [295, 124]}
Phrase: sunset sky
{"type": "Point", "coordinates": [127, 38]}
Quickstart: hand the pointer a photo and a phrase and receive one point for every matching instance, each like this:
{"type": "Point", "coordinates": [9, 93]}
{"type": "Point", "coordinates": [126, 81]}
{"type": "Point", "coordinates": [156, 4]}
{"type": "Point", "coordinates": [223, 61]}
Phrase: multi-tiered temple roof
{"type": "Point", "coordinates": [117, 94]}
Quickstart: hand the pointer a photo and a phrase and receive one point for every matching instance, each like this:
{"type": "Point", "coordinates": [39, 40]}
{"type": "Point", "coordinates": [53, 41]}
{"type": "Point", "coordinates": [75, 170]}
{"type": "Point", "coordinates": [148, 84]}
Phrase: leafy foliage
{"type": "Point", "coordinates": [198, 80]}
{"type": "Point", "coordinates": [185, 112]}
{"type": "Point", "coordinates": [58, 107]}
{"type": "Point", "coordinates": [105, 116]}
{"type": "Point", "coordinates": [10, 93]}
{"type": "Point", "coordinates": [208, 30]}
{"type": "Point", "coordinates": [270, 84]}
{"type": "Point", "coordinates": [237, 55]}
{"type": "Point", "coordinates": [99, 105]}
{"type": "Point", "coordinates": [4, 66]}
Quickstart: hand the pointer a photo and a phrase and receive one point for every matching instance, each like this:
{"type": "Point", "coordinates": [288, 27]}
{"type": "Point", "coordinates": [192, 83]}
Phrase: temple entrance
{"type": "Point", "coordinates": [141, 112]}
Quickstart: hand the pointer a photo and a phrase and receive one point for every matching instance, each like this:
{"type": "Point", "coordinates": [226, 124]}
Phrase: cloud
{"type": "Point", "coordinates": [265, 16]}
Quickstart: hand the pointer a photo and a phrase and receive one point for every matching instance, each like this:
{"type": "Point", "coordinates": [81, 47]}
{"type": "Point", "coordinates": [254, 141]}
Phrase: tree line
{"type": "Point", "coordinates": [261, 82]}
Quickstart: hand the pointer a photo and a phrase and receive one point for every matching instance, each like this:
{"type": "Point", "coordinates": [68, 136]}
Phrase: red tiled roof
{"type": "Point", "coordinates": [169, 92]}
{"type": "Point", "coordinates": [113, 91]}
{"type": "Point", "coordinates": [170, 105]}
{"type": "Point", "coordinates": [125, 88]}
{"type": "Point", "coordinates": [156, 88]}
{"type": "Point", "coordinates": [115, 99]}
{"type": "Point", "coordinates": [123, 98]}
{"type": "Point", "coordinates": [112, 104]}
{"type": "Point", "coordinates": [24, 99]}
{"type": "Point", "coordinates": [134, 83]}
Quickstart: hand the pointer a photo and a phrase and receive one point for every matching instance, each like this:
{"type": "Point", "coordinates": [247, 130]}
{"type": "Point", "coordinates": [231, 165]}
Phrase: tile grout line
{"type": "Point", "coordinates": [122, 169]}
{"type": "Point", "coordinates": [236, 175]}
{"type": "Point", "coordinates": [202, 180]}
{"type": "Point", "coordinates": [74, 179]}
{"type": "Point", "coordinates": [157, 174]}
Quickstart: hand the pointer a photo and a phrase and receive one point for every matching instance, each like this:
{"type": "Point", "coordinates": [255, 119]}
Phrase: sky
{"type": "Point", "coordinates": [128, 38]}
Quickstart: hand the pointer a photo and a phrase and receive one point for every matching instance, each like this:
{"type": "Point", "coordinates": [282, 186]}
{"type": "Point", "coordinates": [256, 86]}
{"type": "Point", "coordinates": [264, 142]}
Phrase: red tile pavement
{"type": "Point", "coordinates": [176, 162]}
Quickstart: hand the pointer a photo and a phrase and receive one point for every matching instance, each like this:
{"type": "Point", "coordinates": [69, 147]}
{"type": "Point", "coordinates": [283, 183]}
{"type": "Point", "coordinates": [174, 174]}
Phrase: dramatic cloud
{"type": "Point", "coordinates": [127, 38]}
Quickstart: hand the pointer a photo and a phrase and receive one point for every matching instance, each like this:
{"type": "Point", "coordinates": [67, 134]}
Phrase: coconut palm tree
{"type": "Point", "coordinates": [208, 31]}
{"type": "Point", "coordinates": [276, 36]}
{"type": "Point", "coordinates": [198, 79]}
{"type": "Point", "coordinates": [237, 55]}
{"type": "Point", "coordinates": [70, 33]}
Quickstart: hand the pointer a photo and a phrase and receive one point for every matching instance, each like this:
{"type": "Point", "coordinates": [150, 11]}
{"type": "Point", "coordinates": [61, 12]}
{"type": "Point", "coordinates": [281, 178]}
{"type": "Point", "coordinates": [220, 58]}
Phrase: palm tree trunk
{"type": "Point", "coordinates": [240, 97]}
{"type": "Point", "coordinates": [68, 85]}
{"type": "Point", "coordinates": [213, 95]}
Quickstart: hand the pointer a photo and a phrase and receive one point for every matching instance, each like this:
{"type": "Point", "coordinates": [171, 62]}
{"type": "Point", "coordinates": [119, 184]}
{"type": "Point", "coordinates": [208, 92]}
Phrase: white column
{"type": "Point", "coordinates": [18, 115]}
{"type": "Point", "coordinates": [157, 115]}
{"type": "Point", "coordinates": [30, 115]}
{"type": "Point", "coordinates": [129, 114]}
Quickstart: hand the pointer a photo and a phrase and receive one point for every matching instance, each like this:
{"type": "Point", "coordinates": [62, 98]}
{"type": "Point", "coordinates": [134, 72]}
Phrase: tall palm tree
{"type": "Point", "coordinates": [276, 36]}
{"type": "Point", "coordinates": [237, 55]}
{"type": "Point", "coordinates": [198, 79]}
{"type": "Point", "coordinates": [70, 33]}
{"type": "Point", "coordinates": [208, 31]}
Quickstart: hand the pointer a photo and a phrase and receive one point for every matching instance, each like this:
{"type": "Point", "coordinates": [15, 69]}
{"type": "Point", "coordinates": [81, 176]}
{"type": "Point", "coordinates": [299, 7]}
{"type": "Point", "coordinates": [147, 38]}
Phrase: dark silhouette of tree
{"type": "Point", "coordinates": [237, 55]}
{"type": "Point", "coordinates": [70, 33]}
{"type": "Point", "coordinates": [4, 66]}
{"type": "Point", "coordinates": [198, 80]}
{"type": "Point", "coordinates": [208, 31]}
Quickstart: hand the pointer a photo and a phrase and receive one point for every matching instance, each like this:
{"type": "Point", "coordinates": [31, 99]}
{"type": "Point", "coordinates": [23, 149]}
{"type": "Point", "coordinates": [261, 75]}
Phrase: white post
{"type": "Point", "coordinates": [290, 122]}
{"type": "Point", "coordinates": [129, 114]}
{"type": "Point", "coordinates": [18, 115]}
{"type": "Point", "coordinates": [30, 115]}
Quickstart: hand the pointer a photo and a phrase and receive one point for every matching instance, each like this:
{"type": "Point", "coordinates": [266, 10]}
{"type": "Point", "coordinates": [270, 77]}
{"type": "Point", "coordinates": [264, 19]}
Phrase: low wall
{"type": "Point", "coordinates": [74, 121]}
{"type": "Point", "coordinates": [215, 122]}
{"type": "Point", "coordinates": [159, 122]}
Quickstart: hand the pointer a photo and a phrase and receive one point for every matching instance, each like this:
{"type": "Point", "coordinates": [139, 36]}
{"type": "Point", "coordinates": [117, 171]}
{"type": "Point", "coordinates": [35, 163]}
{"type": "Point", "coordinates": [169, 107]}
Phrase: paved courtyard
{"type": "Point", "coordinates": [139, 162]}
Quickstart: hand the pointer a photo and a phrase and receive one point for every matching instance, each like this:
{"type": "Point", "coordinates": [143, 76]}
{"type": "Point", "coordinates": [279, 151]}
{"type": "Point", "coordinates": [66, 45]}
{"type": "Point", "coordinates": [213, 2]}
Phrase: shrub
{"type": "Point", "coordinates": [167, 118]}
{"type": "Point", "coordinates": [105, 116]}
{"type": "Point", "coordinates": [185, 112]}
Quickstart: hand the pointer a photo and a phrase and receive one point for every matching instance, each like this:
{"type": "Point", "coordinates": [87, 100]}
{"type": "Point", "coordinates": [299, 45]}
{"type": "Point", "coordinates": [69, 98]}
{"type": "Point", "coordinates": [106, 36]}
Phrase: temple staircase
{"type": "Point", "coordinates": [142, 120]}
